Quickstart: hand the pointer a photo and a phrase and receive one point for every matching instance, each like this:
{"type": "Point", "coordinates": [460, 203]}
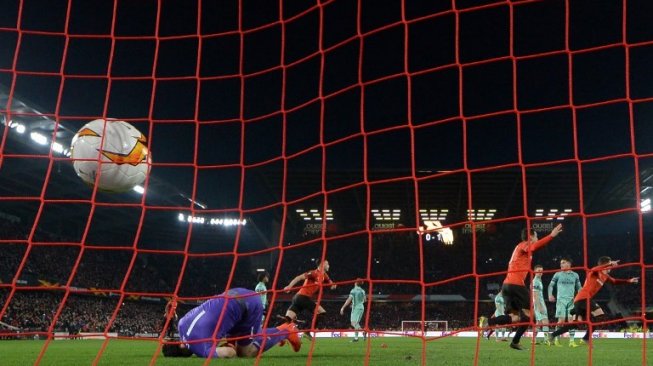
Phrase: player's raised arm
{"type": "Point", "coordinates": [545, 240]}
{"type": "Point", "coordinates": [295, 281]}
{"type": "Point", "coordinates": [605, 266]}
{"type": "Point", "coordinates": [622, 281]}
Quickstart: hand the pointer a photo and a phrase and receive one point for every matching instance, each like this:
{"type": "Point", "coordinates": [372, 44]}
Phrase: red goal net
{"type": "Point", "coordinates": [408, 143]}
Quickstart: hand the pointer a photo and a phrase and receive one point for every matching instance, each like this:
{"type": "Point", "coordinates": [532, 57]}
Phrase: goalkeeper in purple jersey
{"type": "Point", "coordinates": [234, 314]}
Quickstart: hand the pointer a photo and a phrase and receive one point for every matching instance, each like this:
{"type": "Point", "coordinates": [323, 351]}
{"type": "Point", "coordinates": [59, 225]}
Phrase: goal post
{"type": "Point", "coordinates": [428, 325]}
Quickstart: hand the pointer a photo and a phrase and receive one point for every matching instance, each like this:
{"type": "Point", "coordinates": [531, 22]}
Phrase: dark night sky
{"type": "Point", "coordinates": [401, 89]}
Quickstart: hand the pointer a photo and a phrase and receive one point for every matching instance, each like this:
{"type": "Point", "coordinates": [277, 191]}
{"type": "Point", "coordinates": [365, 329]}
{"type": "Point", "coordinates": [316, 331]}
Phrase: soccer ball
{"type": "Point", "coordinates": [121, 159]}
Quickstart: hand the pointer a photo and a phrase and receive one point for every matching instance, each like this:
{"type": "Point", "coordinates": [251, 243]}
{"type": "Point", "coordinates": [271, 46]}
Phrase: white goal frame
{"type": "Point", "coordinates": [404, 324]}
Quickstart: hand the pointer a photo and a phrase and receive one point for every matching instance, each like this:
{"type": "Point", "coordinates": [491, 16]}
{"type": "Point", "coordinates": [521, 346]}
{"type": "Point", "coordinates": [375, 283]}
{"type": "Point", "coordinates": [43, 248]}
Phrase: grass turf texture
{"type": "Point", "coordinates": [330, 351]}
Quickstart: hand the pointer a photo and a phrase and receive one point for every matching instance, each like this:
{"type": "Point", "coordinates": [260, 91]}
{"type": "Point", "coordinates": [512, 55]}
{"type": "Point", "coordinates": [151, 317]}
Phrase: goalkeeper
{"type": "Point", "coordinates": [233, 314]}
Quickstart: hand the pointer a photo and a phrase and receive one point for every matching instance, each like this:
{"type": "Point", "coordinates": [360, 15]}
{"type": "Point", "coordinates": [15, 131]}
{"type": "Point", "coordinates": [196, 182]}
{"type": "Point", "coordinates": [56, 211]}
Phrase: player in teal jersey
{"type": "Point", "coordinates": [357, 300]}
{"type": "Point", "coordinates": [500, 334]}
{"type": "Point", "coordinates": [566, 283]}
{"type": "Point", "coordinates": [261, 288]}
{"type": "Point", "coordinates": [539, 307]}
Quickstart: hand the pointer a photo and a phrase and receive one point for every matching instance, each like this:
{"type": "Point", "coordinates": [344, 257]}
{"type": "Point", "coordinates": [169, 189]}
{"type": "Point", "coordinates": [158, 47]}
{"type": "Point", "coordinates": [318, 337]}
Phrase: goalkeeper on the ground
{"type": "Point", "coordinates": [235, 314]}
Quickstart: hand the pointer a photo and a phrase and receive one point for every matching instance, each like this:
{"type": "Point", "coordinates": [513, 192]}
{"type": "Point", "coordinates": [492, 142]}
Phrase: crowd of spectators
{"type": "Point", "coordinates": [35, 310]}
{"type": "Point", "coordinates": [393, 261]}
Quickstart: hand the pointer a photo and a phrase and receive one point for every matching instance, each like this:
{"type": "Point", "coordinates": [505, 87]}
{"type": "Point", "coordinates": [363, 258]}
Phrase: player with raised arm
{"type": "Point", "coordinates": [357, 300]}
{"type": "Point", "coordinates": [302, 301]}
{"type": "Point", "coordinates": [539, 306]}
{"type": "Point", "coordinates": [233, 314]}
{"type": "Point", "coordinates": [261, 288]}
{"type": "Point", "coordinates": [583, 302]}
{"type": "Point", "coordinates": [515, 293]}
{"type": "Point", "coordinates": [566, 283]}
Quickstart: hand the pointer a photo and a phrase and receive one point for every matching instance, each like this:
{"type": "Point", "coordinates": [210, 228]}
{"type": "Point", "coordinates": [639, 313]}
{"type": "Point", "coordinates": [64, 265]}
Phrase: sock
{"type": "Point", "coordinates": [561, 330]}
{"type": "Point", "coordinates": [356, 328]}
{"type": "Point", "coordinates": [500, 320]}
{"type": "Point", "coordinates": [272, 338]}
{"type": "Point", "coordinates": [318, 318]}
{"type": "Point", "coordinates": [520, 332]}
{"type": "Point", "coordinates": [587, 335]}
{"type": "Point", "coordinates": [572, 333]}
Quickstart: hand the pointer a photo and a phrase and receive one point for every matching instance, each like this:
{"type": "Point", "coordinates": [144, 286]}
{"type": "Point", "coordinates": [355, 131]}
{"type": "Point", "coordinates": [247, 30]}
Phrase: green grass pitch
{"type": "Point", "coordinates": [329, 351]}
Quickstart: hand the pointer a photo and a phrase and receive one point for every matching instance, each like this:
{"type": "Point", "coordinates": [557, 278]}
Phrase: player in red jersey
{"type": "Point", "coordinates": [596, 278]}
{"type": "Point", "coordinates": [303, 298]}
{"type": "Point", "coordinates": [515, 293]}
{"type": "Point", "coordinates": [170, 317]}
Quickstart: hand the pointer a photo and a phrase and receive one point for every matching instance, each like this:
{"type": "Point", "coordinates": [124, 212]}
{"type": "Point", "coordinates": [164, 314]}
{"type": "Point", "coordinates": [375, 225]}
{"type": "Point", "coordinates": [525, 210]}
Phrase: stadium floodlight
{"type": "Point", "coordinates": [434, 214]}
{"type": "Point", "coordinates": [386, 214]}
{"type": "Point", "coordinates": [139, 189]}
{"type": "Point", "coordinates": [198, 204]}
{"type": "Point", "coordinates": [481, 214]}
{"type": "Point", "coordinates": [38, 138]}
{"type": "Point", "coordinates": [20, 128]}
{"type": "Point", "coordinates": [645, 205]}
{"type": "Point", "coordinates": [57, 147]}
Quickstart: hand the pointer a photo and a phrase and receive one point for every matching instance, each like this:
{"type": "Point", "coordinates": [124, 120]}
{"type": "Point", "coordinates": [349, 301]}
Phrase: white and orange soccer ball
{"type": "Point", "coordinates": [121, 158]}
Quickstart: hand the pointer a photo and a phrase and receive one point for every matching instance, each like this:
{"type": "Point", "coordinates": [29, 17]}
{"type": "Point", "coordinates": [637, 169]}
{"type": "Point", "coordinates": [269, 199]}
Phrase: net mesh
{"type": "Point", "coordinates": [331, 129]}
